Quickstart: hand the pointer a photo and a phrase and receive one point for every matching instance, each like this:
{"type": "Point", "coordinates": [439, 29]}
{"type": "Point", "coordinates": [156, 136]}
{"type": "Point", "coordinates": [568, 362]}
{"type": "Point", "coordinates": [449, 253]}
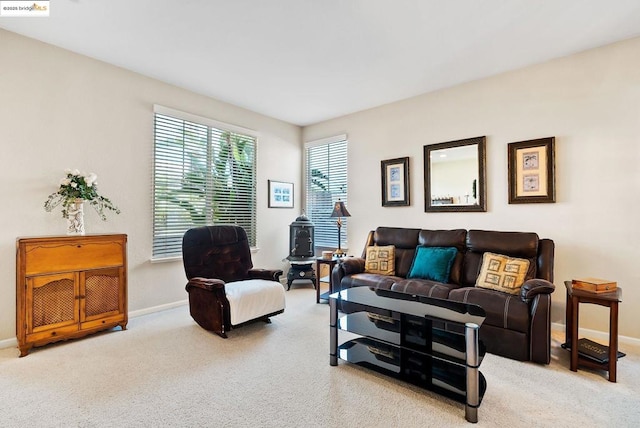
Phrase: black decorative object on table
{"type": "Point", "coordinates": [301, 250]}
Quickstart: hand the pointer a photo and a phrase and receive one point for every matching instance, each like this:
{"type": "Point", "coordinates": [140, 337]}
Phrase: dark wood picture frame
{"type": "Point", "coordinates": [532, 171]}
{"type": "Point", "coordinates": [395, 182]}
{"type": "Point", "coordinates": [479, 187]}
{"type": "Point", "coordinates": [280, 194]}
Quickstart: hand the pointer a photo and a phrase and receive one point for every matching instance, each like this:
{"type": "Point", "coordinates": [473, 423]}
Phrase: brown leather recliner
{"type": "Point", "coordinates": [516, 326]}
{"type": "Point", "coordinates": [224, 289]}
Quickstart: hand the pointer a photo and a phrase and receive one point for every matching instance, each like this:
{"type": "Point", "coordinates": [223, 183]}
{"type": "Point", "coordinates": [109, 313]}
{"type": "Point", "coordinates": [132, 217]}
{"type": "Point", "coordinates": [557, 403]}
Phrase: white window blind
{"type": "Point", "coordinates": [326, 182]}
{"type": "Point", "coordinates": [203, 175]}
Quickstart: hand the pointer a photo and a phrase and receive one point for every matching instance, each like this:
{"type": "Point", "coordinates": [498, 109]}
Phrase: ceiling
{"type": "Point", "coordinates": [305, 61]}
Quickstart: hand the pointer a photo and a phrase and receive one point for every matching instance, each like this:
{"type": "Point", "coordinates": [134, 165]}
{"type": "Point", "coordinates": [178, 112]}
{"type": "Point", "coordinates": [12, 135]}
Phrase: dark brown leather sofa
{"type": "Point", "coordinates": [516, 326]}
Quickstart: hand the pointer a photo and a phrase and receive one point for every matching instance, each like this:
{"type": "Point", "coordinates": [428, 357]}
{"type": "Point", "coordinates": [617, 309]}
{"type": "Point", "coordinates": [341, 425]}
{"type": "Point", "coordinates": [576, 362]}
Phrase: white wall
{"type": "Point", "coordinates": [590, 102]}
{"type": "Point", "coordinates": [62, 110]}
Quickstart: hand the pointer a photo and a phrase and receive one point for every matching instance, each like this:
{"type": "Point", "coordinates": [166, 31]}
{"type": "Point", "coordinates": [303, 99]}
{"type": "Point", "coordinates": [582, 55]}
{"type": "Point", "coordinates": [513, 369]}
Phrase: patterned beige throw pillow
{"type": "Point", "coordinates": [502, 273]}
{"type": "Point", "coordinates": [381, 260]}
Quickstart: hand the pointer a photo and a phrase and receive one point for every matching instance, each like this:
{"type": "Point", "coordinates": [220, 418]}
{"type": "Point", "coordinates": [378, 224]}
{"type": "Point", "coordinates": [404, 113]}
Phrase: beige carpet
{"type": "Point", "coordinates": [165, 371]}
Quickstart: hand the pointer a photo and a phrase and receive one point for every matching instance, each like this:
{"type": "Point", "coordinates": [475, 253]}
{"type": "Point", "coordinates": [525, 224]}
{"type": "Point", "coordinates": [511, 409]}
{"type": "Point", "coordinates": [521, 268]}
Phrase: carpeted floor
{"type": "Point", "coordinates": [165, 371]}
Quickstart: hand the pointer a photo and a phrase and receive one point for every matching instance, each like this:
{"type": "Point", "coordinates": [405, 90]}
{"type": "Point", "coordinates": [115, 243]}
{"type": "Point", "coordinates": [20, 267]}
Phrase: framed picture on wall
{"type": "Point", "coordinates": [280, 194]}
{"type": "Point", "coordinates": [395, 182]}
{"type": "Point", "coordinates": [532, 171]}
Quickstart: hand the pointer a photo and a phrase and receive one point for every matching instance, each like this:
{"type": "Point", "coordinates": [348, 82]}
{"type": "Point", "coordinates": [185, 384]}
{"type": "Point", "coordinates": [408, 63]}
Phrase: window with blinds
{"type": "Point", "coordinates": [203, 175]}
{"type": "Point", "coordinates": [326, 182]}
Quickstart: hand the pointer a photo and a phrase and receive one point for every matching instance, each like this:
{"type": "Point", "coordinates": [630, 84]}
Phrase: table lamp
{"type": "Point", "coordinates": [339, 210]}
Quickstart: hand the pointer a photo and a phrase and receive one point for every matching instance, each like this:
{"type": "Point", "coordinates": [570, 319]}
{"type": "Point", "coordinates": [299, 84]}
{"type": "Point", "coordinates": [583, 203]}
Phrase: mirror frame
{"type": "Point", "coordinates": [482, 182]}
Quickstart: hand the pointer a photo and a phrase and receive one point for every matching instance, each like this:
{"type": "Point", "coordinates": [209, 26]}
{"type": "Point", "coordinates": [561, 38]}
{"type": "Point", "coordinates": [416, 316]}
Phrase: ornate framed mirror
{"type": "Point", "coordinates": [454, 176]}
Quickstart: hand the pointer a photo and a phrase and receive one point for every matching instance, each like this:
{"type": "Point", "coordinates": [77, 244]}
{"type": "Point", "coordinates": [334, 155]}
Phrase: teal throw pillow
{"type": "Point", "coordinates": [433, 263]}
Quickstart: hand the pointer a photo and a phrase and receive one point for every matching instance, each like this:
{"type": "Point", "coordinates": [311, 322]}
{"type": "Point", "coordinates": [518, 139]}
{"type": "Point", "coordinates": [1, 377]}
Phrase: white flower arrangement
{"type": "Point", "coordinates": [76, 185]}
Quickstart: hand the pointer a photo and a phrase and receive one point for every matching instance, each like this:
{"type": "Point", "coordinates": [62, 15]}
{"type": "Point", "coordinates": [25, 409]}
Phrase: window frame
{"type": "Point", "coordinates": [213, 127]}
{"type": "Point", "coordinates": [326, 231]}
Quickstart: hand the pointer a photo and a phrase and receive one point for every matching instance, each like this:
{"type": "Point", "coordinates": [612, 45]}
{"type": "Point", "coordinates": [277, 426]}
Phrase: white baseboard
{"type": "Point", "coordinates": [146, 311]}
{"type": "Point", "coordinates": [13, 342]}
{"type": "Point", "coordinates": [8, 343]}
{"type": "Point", "coordinates": [601, 336]}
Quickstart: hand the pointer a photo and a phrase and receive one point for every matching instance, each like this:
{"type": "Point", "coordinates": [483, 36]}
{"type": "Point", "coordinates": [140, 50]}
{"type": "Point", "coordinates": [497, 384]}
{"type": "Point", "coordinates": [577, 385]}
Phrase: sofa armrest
{"type": "Point", "coordinates": [535, 286]}
{"type": "Point", "coordinates": [208, 284]}
{"type": "Point", "coordinates": [346, 266]}
{"type": "Point", "coordinates": [352, 265]}
{"type": "Point", "coordinates": [268, 274]}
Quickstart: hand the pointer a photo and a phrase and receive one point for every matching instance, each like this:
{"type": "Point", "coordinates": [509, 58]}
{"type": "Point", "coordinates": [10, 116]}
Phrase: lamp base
{"type": "Point", "coordinates": [339, 253]}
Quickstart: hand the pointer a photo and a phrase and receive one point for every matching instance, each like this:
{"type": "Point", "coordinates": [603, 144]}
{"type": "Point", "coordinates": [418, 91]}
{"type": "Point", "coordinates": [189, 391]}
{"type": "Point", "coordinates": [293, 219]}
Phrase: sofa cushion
{"type": "Point", "coordinates": [502, 273]}
{"type": "Point", "coordinates": [513, 244]}
{"type": "Point", "coordinates": [423, 287]}
{"type": "Point", "coordinates": [380, 260]}
{"type": "Point", "coordinates": [432, 263]}
{"type": "Point", "coordinates": [447, 238]}
{"type": "Point", "coordinates": [503, 310]}
{"type": "Point", "coordinates": [369, 280]}
{"type": "Point", "coordinates": [405, 241]}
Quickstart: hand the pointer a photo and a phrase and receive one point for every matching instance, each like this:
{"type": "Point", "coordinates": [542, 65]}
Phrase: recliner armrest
{"type": "Point", "coordinates": [205, 283]}
{"type": "Point", "coordinates": [535, 286]}
{"type": "Point", "coordinates": [268, 274]}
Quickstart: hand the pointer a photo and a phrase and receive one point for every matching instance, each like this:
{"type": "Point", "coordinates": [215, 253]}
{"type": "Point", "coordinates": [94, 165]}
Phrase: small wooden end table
{"type": "Point", "coordinates": [331, 263]}
{"type": "Point", "coordinates": [610, 299]}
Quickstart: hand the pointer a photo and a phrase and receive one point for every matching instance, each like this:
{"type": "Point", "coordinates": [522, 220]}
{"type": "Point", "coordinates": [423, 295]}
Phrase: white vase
{"type": "Point", "coordinates": [75, 218]}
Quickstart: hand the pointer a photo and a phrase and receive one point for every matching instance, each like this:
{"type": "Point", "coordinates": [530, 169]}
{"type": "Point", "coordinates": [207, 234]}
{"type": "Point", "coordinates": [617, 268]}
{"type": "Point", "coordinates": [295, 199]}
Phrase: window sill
{"type": "Point", "coordinates": [179, 258]}
{"type": "Point", "coordinates": [165, 259]}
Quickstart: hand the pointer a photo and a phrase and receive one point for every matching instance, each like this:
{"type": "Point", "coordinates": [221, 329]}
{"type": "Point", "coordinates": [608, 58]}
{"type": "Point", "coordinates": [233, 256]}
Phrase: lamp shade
{"type": "Point", "coordinates": [340, 210]}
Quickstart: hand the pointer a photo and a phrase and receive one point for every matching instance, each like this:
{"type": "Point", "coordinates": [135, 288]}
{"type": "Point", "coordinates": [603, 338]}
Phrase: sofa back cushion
{"type": "Point", "coordinates": [513, 244]}
{"type": "Point", "coordinates": [405, 242]}
{"type": "Point", "coordinates": [447, 238]}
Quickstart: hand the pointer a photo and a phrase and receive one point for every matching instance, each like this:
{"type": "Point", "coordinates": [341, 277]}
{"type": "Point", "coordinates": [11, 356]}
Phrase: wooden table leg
{"type": "Point", "coordinates": [613, 341]}
{"type": "Point", "coordinates": [574, 334]}
{"type": "Point", "coordinates": [568, 318]}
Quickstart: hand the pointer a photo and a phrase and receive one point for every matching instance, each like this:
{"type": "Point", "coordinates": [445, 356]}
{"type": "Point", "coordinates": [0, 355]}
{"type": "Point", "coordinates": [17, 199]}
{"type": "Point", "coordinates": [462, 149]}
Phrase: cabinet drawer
{"type": "Point", "coordinates": [44, 257]}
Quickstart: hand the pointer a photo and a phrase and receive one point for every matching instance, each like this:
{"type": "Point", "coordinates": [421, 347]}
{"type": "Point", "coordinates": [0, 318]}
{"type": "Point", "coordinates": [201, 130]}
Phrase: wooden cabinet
{"type": "Point", "coordinates": [68, 287]}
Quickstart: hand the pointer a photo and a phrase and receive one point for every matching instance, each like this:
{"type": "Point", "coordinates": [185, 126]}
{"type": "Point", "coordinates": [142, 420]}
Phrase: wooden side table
{"type": "Point", "coordinates": [611, 300]}
{"type": "Point", "coordinates": [331, 263]}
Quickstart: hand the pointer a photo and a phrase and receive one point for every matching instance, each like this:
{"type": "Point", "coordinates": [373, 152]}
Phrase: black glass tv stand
{"type": "Point", "coordinates": [431, 343]}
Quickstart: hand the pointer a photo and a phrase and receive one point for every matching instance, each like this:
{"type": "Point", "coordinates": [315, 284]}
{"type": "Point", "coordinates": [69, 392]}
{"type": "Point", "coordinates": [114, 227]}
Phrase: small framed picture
{"type": "Point", "coordinates": [395, 182]}
{"type": "Point", "coordinates": [280, 194]}
{"type": "Point", "coordinates": [532, 171]}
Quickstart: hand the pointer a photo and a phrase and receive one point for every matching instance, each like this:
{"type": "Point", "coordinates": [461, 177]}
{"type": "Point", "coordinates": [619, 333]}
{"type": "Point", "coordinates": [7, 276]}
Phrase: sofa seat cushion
{"type": "Point", "coordinates": [423, 287]}
{"type": "Point", "coordinates": [373, 280]}
{"type": "Point", "coordinates": [503, 310]}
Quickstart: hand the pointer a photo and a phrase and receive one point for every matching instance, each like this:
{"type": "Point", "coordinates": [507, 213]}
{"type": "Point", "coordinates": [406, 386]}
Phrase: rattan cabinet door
{"type": "Point", "coordinates": [52, 306]}
{"type": "Point", "coordinates": [101, 297]}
